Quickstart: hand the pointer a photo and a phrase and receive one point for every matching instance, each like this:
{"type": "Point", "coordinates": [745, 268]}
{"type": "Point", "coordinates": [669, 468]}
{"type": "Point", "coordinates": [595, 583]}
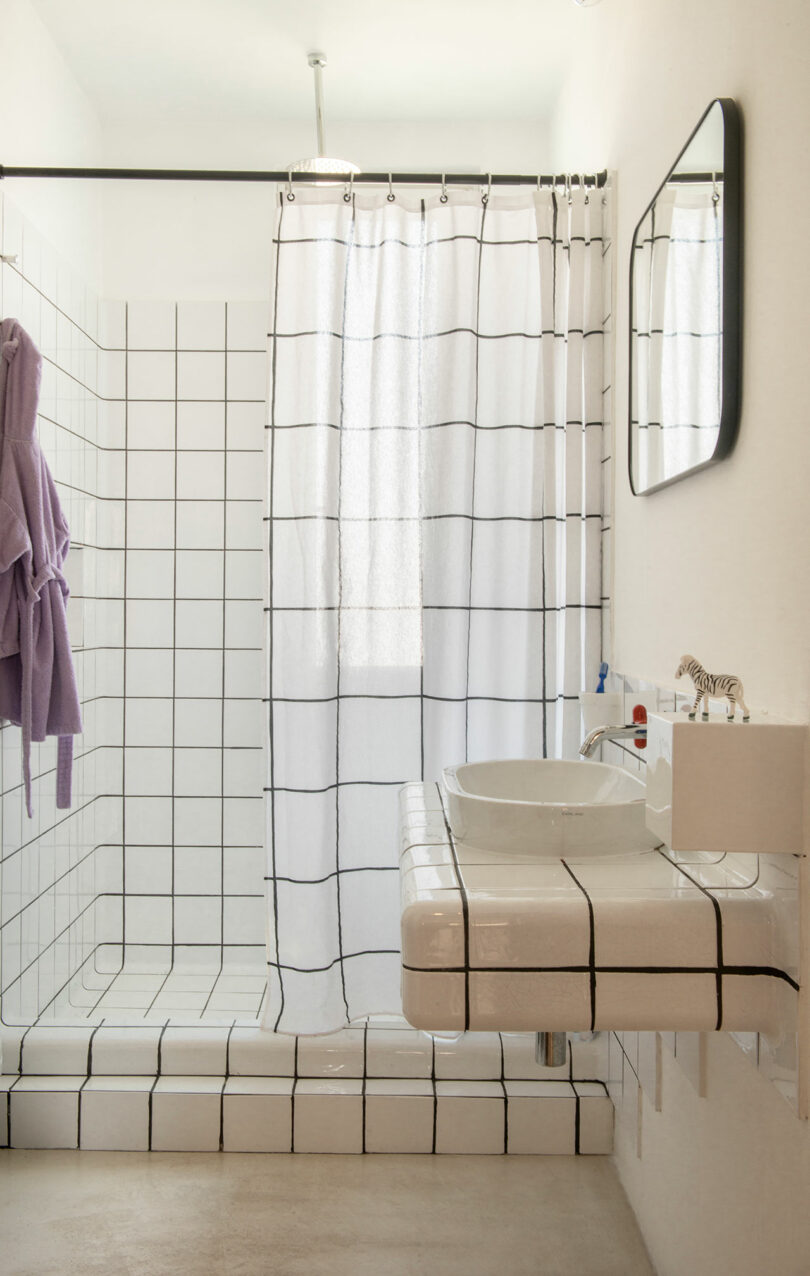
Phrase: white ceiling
{"type": "Point", "coordinates": [387, 59]}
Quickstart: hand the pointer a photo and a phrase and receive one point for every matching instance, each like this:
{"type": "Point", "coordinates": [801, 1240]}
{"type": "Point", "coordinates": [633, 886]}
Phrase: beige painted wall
{"type": "Point", "coordinates": [718, 564]}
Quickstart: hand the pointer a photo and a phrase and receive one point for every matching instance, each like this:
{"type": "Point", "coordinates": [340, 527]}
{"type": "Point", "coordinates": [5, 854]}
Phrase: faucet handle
{"type": "Point", "coordinates": [640, 719]}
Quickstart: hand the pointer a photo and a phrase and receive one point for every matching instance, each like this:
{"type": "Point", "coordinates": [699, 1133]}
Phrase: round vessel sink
{"type": "Point", "coordinates": [547, 808]}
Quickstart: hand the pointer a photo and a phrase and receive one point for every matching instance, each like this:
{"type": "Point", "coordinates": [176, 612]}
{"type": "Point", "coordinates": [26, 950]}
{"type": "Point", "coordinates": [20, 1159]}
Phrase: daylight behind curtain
{"type": "Point", "coordinates": [434, 517]}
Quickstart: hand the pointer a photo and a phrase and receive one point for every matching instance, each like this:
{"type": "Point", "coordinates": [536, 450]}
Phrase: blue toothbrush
{"type": "Point", "coordinates": [602, 675]}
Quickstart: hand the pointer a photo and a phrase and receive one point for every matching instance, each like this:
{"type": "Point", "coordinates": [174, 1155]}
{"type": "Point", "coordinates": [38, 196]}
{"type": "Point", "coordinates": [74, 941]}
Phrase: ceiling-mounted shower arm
{"type": "Point", "coordinates": [318, 61]}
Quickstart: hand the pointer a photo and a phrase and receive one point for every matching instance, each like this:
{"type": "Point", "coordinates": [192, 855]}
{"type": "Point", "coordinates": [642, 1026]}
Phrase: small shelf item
{"type": "Point", "coordinates": [717, 685]}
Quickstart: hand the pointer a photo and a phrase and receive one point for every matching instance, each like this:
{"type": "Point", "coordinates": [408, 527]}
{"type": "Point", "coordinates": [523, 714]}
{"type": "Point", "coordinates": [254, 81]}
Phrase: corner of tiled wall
{"type": "Point", "coordinates": [51, 898]}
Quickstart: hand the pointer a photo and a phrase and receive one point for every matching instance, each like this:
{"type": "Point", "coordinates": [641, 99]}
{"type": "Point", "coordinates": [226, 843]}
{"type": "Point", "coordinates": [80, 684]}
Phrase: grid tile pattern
{"type": "Point", "coordinates": [435, 592]}
{"type": "Point", "coordinates": [58, 867]}
{"type": "Point", "coordinates": [192, 396]}
{"type": "Point", "coordinates": [656, 940]}
{"type": "Point", "coordinates": [242, 1089]}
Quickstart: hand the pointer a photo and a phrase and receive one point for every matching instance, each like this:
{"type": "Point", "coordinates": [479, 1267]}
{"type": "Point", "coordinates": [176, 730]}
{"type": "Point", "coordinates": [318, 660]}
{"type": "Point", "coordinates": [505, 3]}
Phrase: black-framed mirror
{"type": "Point", "coordinates": [685, 309]}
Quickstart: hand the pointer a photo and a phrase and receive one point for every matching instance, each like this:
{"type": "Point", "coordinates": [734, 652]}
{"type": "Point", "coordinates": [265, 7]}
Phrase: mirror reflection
{"type": "Point", "coordinates": [684, 304]}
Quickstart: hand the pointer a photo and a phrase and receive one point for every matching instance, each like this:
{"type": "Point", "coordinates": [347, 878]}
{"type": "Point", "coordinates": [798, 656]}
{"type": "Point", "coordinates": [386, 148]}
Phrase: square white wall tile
{"type": "Point", "coordinates": [185, 1116]}
{"type": "Point", "coordinates": [544, 1124]}
{"type": "Point", "coordinates": [45, 1117]}
{"type": "Point", "coordinates": [125, 1051]}
{"type": "Point", "coordinates": [399, 1123]}
{"type": "Point", "coordinates": [150, 375]}
{"type": "Point", "coordinates": [257, 1115]}
{"type": "Point", "coordinates": [55, 1051]}
{"type": "Point", "coordinates": [201, 375]}
{"type": "Point", "coordinates": [256, 1053]}
{"type": "Point", "coordinates": [471, 1123]}
{"type": "Point", "coordinates": [201, 325]}
{"type": "Point", "coordinates": [339, 1054]}
{"type": "Point", "coordinates": [248, 323]}
{"type": "Point", "coordinates": [115, 1119]}
{"type": "Point", "coordinates": [474, 1056]}
{"type": "Point", "coordinates": [194, 1051]}
{"type": "Point", "coordinates": [150, 325]}
{"type": "Point", "coordinates": [398, 1053]}
{"type": "Point", "coordinates": [328, 1117]}
{"type": "Point", "coordinates": [200, 426]}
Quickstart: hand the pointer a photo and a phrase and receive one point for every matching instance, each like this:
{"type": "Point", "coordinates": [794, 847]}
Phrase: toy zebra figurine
{"type": "Point", "coordinates": [717, 685]}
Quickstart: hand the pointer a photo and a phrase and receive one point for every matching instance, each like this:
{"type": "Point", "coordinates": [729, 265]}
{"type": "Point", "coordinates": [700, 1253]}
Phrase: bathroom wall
{"type": "Point", "coordinates": [202, 241]}
{"type": "Point", "coordinates": [46, 119]}
{"type": "Point", "coordinates": [717, 564]}
{"type": "Point", "coordinates": [710, 565]}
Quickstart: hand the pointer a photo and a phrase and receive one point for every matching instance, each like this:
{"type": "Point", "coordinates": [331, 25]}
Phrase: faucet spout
{"type": "Point", "coordinates": [599, 734]}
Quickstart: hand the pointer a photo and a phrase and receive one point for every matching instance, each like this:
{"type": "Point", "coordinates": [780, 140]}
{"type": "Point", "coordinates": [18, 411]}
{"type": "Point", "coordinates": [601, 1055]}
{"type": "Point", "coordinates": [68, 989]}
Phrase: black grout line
{"type": "Point", "coordinates": [465, 908]}
{"type": "Point", "coordinates": [591, 943]}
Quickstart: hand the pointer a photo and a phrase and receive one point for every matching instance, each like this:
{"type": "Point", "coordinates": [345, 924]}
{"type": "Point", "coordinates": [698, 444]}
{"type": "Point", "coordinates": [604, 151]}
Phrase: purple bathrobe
{"type": "Point", "coordinates": [37, 680]}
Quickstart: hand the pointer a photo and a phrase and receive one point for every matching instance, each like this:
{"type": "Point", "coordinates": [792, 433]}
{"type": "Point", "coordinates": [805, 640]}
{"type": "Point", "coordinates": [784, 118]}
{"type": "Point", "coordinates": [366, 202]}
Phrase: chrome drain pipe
{"type": "Point", "coordinates": [551, 1049]}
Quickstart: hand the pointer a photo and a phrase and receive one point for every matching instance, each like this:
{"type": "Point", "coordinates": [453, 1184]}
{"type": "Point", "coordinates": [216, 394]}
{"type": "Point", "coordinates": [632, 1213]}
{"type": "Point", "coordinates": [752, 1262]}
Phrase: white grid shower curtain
{"type": "Point", "coordinates": [434, 520]}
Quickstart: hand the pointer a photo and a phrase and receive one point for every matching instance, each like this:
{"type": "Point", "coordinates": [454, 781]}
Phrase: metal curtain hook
{"type": "Point", "coordinates": [568, 193]}
{"type": "Point", "coordinates": [391, 196]}
{"type": "Point", "coordinates": [290, 191]}
{"type": "Point", "coordinates": [485, 198]}
{"type": "Point", "coordinates": [348, 194]}
{"type": "Point", "coordinates": [585, 188]}
{"type": "Point", "coordinates": [443, 196]}
{"type": "Point", "coordinates": [715, 191]}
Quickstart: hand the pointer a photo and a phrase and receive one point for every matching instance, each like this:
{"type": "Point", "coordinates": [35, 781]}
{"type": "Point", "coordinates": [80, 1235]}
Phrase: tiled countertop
{"type": "Point", "coordinates": [636, 942]}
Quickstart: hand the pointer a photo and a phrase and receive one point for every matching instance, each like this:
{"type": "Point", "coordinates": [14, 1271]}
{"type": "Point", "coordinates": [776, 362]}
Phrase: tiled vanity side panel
{"type": "Point", "coordinates": [57, 866]}
{"type": "Point", "coordinates": [194, 401]}
{"type": "Point", "coordinates": [633, 1055]}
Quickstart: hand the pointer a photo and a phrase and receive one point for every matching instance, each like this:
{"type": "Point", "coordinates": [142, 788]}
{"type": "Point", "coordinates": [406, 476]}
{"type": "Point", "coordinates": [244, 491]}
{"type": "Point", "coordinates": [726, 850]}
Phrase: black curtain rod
{"type": "Point", "coordinates": [696, 178]}
{"type": "Point", "coordinates": [225, 175]}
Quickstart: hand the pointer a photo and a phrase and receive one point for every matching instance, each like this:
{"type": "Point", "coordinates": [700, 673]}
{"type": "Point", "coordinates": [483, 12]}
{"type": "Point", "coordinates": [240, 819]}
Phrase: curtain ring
{"type": "Point", "coordinates": [348, 194]}
{"type": "Point", "coordinates": [391, 196]}
{"type": "Point", "coordinates": [485, 198]}
{"type": "Point", "coordinates": [290, 191]}
{"type": "Point", "coordinates": [715, 191]}
{"type": "Point", "coordinates": [568, 194]}
{"type": "Point", "coordinates": [443, 196]}
{"type": "Point", "coordinates": [585, 188]}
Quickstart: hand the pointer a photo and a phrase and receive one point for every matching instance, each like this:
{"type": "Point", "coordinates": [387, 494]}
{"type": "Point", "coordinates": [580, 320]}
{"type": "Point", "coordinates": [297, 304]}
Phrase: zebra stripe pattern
{"type": "Point", "coordinates": [716, 685]}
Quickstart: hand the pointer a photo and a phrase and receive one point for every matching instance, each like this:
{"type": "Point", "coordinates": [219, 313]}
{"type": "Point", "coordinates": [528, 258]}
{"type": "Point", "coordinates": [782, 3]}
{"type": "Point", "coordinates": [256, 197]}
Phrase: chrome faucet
{"type": "Point", "coordinates": [598, 736]}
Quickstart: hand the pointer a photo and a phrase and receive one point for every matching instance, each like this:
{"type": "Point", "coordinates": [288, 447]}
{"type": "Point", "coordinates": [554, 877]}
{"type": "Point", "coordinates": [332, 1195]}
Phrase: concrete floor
{"type": "Point", "coordinates": [209, 1214]}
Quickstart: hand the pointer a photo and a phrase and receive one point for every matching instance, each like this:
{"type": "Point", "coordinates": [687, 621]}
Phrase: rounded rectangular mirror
{"type": "Point", "coordinates": [685, 321]}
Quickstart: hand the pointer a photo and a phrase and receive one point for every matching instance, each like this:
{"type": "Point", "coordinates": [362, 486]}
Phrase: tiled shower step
{"type": "Point", "coordinates": [386, 1049]}
{"type": "Point", "coordinates": [189, 1113]}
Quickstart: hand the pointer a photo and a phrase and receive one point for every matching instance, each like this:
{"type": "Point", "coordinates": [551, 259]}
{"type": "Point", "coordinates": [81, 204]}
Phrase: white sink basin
{"type": "Point", "coordinates": [547, 808]}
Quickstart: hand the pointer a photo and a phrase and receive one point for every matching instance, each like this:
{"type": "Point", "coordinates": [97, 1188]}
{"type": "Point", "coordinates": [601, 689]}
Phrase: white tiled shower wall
{"type": "Point", "coordinates": [188, 394]}
{"type": "Point", "coordinates": [56, 866]}
{"type": "Point", "coordinates": [151, 419]}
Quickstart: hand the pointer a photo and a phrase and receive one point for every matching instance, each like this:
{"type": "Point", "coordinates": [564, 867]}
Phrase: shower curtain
{"type": "Point", "coordinates": [434, 520]}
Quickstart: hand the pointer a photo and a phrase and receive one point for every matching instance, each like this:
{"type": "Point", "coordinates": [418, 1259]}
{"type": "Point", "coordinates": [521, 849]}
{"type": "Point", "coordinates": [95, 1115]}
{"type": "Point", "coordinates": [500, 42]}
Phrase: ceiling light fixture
{"type": "Point", "coordinates": [320, 163]}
